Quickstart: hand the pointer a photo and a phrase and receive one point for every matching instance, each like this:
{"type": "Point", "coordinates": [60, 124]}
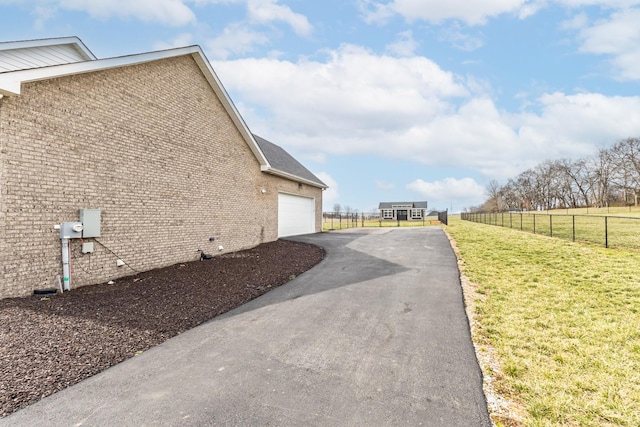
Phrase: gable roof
{"type": "Point", "coordinates": [46, 62]}
{"type": "Point", "coordinates": [283, 164]}
{"type": "Point", "coordinates": [414, 205]}
{"type": "Point", "coordinates": [26, 54]}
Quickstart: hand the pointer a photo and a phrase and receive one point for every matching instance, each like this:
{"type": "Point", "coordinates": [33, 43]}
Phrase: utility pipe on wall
{"type": "Point", "coordinates": [65, 265]}
{"type": "Point", "coordinates": [68, 230]}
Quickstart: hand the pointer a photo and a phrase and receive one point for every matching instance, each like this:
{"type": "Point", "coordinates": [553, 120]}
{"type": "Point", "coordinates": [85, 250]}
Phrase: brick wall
{"type": "Point", "coordinates": [152, 147]}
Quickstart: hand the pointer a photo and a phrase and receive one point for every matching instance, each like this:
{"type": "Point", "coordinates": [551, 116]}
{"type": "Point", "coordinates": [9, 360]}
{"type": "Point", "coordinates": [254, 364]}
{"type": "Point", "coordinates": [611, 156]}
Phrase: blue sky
{"type": "Point", "coordinates": [392, 100]}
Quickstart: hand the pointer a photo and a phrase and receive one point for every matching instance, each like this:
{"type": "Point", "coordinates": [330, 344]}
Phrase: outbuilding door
{"type": "Point", "coordinates": [296, 215]}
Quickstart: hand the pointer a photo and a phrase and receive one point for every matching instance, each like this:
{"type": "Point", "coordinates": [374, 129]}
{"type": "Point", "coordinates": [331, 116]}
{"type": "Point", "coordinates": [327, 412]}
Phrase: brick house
{"type": "Point", "coordinates": [150, 147]}
{"type": "Point", "coordinates": [403, 211]}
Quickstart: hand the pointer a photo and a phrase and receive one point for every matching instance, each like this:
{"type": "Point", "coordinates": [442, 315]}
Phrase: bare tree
{"type": "Point", "coordinates": [626, 177]}
{"type": "Point", "coordinates": [494, 201]}
{"type": "Point", "coordinates": [511, 196]}
{"type": "Point", "coordinates": [337, 208]}
{"type": "Point", "coordinates": [601, 178]}
{"type": "Point", "coordinates": [577, 172]}
{"type": "Point", "coordinates": [611, 176]}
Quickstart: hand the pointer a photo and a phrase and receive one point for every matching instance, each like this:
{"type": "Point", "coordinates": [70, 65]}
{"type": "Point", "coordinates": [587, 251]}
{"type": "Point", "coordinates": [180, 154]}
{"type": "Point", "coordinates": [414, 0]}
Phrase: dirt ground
{"type": "Point", "coordinates": [50, 343]}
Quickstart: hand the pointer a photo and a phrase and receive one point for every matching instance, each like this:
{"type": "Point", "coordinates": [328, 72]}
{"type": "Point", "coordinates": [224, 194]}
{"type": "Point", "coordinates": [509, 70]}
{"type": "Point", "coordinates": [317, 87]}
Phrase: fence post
{"type": "Point", "coordinates": [606, 232]}
{"type": "Point", "coordinates": [574, 227]}
{"type": "Point", "coordinates": [520, 221]}
{"type": "Point", "coordinates": [550, 225]}
{"type": "Point", "coordinates": [534, 223]}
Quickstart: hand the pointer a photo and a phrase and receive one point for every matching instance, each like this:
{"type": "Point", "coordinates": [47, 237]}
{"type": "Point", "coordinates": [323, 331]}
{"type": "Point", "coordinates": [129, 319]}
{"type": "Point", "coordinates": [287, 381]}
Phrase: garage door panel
{"type": "Point", "coordinates": [296, 215]}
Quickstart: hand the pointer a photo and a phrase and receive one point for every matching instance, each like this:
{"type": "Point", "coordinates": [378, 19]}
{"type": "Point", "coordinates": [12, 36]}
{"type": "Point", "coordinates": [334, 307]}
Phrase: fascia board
{"type": "Point", "coordinates": [9, 87]}
{"type": "Point", "coordinates": [272, 171]}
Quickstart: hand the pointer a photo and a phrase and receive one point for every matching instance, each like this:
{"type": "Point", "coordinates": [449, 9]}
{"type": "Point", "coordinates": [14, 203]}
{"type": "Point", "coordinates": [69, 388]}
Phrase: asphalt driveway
{"type": "Point", "coordinates": [375, 335]}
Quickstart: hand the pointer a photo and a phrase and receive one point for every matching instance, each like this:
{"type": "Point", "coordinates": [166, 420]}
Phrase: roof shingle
{"type": "Point", "coordinates": [282, 161]}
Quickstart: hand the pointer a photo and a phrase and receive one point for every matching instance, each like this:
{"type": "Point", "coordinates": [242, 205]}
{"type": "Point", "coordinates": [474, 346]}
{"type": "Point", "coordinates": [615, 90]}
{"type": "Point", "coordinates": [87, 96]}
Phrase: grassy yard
{"type": "Point", "coordinates": [563, 319]}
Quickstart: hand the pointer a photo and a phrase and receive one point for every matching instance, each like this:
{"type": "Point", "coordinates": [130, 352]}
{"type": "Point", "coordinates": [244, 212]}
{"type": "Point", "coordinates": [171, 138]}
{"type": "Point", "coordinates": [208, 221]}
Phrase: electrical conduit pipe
{"type": "Point", "coordinates": [66, 270]}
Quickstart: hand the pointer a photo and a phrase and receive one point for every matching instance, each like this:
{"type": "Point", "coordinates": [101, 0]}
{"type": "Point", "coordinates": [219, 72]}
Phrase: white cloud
{"type": "Point", "coordinates": [437, 11]}
{"type": "Point", "coordinates": [331, 195]}
{"type": "Point", "coordinates": [43, 14]}
{"type": "Point", "coordinates": [266, 11]}
{"type": "Point", "coordinates": [181, 40]}
{"type": "Point", "coordinates": [269, 11]}
{"type": "Point", "coordinates": [410, 109]}
{"type": "Point", "coordinates": [236, 38]}
{"type": "Point", "coordinates": [617, 37]}
{"type": "Point", "coordinates": [243, 37]}
{"type": "Point", "coordinates": [166, 12]}
{"type": "Point", "coordinates": [169, 12]}
{"type": "Point", "coordinates": [472, 12]}
{"type": "Point", "coordinates": [460, 40]}
{"type": "Point", "coordinates": [405, 45]}
{"type": "Point", "coordinates": [578, 22]}
{"type": "Point", "coordinates": [374, 12]}
{"type": "Point", "coordinates": [572, 125]}
{"type": "Point", "coordinates": [353, 89]}
{"type": "Point", "coordinates": [449, 191]}
{"type": "Point", "coordinates": [605, 4]}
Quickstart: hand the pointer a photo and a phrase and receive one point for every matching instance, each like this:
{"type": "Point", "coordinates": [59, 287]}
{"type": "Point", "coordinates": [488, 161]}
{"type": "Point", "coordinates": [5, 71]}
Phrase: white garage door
{"type": "Point", "coordinates": [296, 215]}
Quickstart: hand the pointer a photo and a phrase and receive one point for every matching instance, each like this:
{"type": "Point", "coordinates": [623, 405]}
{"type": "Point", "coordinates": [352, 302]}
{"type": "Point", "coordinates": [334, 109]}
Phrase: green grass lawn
{"type": "Point", "coordinates": [563, 319]}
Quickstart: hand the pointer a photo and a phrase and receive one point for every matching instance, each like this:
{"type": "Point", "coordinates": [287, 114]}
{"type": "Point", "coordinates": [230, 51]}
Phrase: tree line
{"type": "Point", "coordinates": [609, 178]}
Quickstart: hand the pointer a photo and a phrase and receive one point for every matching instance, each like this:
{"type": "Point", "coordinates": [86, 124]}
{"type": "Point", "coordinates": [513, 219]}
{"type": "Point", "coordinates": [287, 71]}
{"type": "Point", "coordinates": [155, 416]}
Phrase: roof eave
{"type": "Point", "coordinates": [73, 40]}
{"type": "Point", "coordinates": [277, 172]}
{"type": "Point", "coordinates": [9, 87]}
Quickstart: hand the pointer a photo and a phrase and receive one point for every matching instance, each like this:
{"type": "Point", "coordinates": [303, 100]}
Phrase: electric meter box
{"type": "Point", "coordinates": [71, 230]}
{"type": "Point", "coordinates": [90, 219]}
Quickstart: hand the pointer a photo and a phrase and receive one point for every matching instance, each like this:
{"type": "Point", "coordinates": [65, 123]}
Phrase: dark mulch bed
{"type": "Point", "coordinates": [47, 344]}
